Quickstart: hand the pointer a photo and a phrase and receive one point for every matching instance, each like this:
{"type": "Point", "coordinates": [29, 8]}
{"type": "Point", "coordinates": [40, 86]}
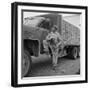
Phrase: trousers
{"type": "Point", "coordinates": [54, 51]}
{"type": "Point", "coordinates": [54, 56]}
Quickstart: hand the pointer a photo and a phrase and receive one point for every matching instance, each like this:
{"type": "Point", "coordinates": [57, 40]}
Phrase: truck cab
{"type": "Point", "coordinates": [34, 32]}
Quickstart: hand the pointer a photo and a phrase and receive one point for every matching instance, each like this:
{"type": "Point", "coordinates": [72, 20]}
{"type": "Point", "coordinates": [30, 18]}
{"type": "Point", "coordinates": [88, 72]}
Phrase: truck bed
{"type": "Point", "coordinates": [70, 33]}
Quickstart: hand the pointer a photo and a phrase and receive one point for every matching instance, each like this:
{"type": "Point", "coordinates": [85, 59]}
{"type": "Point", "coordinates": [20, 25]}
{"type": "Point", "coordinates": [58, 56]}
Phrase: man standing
{"type": "Point", "coordinates": [53, 41]}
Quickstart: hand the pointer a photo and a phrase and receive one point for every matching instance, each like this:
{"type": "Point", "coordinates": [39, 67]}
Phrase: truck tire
{"type": "Point", "coordinates": [26, 63]}
{"type": "Point", "coordinates": [74, 52]}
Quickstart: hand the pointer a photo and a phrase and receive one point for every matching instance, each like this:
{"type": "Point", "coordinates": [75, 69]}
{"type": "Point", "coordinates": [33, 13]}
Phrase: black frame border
{"type": "Point", "coordinates": [14, 43]}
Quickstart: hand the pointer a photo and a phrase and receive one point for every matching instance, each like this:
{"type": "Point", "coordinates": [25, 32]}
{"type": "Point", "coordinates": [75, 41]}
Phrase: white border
{"type": "Point", "coordinates": [31, 80]}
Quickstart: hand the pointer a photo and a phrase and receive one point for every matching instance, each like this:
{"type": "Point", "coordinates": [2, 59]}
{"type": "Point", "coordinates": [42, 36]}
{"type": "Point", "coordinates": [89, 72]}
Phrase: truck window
{"type": "Point", "coordinates": [45, 24]}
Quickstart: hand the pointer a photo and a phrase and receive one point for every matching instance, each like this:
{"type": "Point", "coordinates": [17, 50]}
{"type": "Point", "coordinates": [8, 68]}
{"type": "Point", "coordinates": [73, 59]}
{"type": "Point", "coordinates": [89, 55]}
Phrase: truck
{"type": "Point", "coordinates": [34, 31]}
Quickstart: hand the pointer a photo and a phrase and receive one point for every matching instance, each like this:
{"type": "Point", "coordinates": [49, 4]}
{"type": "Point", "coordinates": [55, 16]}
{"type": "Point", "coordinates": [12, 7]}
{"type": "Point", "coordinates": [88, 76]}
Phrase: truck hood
{"type": "Point", "coordinates": [34, 33]}
{"type": "Point", "coordinates": [34, 21]}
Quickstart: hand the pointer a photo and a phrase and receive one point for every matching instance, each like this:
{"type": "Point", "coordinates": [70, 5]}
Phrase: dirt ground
{"type": "Point", "coordinates": [42, 66]}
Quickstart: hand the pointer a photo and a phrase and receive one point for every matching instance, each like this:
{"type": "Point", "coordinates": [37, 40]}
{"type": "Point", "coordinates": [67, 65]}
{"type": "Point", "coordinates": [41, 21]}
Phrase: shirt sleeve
{"type": "Point", "coordinates": [58, 36]}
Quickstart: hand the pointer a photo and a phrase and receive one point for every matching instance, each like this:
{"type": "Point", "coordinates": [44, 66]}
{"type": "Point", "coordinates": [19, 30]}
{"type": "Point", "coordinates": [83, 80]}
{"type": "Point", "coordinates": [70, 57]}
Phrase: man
{"type": "Point", "coordinates": [53, 41]}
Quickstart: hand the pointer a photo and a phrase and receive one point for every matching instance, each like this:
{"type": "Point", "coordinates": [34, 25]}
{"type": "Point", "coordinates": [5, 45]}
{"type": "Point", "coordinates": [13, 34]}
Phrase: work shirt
{"type": "Point", "coordinates": [54, 35]}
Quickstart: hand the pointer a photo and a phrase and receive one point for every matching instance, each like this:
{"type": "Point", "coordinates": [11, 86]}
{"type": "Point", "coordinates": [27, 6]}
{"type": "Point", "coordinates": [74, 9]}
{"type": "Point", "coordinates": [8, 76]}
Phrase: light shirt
{"type": "Point", "coordinates": [54, 35]}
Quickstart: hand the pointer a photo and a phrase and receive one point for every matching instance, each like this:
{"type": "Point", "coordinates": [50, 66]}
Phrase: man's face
{"type": "Point", "coordinates": [53, 29]}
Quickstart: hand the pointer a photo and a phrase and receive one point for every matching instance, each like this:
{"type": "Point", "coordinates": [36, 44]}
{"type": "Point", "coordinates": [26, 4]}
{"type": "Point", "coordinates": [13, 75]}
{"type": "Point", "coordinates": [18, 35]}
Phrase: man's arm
{"type": "Point", "coordinates": [48, 37]}
{"type": "Point", "coordinates": [60, 40]}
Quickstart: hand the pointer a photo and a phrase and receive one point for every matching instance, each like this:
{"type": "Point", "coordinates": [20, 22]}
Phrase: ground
{"type": "Point", "coordinates": [42, 66]}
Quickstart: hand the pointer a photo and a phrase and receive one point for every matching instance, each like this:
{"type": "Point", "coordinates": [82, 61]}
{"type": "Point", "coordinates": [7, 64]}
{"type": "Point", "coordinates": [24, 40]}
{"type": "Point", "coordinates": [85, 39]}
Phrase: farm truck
{"type": "Point", "coordinates": [35, 30]}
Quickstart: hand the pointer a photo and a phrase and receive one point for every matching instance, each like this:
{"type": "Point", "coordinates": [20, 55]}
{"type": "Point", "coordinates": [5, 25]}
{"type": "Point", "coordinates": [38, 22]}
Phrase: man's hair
{"type": "Point", "coordinates": [55, 26]}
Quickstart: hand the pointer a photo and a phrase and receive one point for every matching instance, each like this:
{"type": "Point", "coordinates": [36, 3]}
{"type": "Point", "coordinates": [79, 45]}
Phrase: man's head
{"type": "Point", "coordinates": [54, 28]}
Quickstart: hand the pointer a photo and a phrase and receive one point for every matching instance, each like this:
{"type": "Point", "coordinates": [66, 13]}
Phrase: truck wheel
{"type": "Point", "coordinates": [74, 53]}
{"type": "Point", "coordinates": [26, 63]}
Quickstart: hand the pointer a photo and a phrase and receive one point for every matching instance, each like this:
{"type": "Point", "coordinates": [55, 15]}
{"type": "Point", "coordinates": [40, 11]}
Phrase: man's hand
{"type": "Point", "coordinates": [60, 45]}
